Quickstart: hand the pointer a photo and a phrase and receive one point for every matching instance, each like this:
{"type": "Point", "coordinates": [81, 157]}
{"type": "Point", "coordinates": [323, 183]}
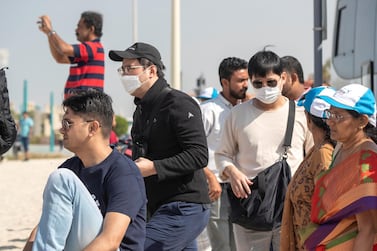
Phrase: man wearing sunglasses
{"type": "Point", "coordinates": [252, 140]}
{"type": "Point", "coordinates": [95, 200]}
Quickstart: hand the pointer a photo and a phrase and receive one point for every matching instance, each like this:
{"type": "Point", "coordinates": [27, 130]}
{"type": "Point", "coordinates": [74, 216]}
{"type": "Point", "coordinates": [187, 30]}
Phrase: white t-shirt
{"type": "Point", "coordinates": [252, 139]}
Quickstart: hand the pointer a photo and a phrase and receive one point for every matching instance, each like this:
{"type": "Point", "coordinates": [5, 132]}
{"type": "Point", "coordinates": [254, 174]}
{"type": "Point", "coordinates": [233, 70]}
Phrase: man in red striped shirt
{"type": "Point", "coordinates": [86, 59]}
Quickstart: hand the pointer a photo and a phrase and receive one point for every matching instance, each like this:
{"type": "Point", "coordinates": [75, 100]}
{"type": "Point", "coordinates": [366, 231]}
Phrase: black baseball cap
{"type": "Point", "coordinates": [138, 50]}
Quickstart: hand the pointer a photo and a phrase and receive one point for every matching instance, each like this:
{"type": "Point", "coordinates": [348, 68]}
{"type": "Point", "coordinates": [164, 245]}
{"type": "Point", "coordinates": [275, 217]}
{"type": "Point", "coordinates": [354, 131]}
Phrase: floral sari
{"type": "Point", "coordinates": [342, 192]}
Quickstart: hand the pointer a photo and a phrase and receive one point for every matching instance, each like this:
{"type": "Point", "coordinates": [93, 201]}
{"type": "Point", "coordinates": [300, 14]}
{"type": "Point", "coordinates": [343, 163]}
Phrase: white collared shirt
{"type": "Point", "coordinates": [214, 113]}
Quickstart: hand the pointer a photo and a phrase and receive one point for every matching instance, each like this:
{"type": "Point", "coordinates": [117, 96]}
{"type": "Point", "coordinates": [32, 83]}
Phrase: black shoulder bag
{"type": "Point", "coordinates": [8, 131]}
{"type": "Point", "coordinates": [263, 209]}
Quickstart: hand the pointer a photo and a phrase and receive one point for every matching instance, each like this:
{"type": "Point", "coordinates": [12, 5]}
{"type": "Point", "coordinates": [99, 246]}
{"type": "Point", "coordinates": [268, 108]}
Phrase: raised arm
{"type": "Point", "coordinates": [60, 50]}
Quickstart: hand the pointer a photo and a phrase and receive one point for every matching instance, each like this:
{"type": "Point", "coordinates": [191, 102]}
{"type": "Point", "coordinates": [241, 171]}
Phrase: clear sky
{"type": "Point", "coordinates": [210, 31]}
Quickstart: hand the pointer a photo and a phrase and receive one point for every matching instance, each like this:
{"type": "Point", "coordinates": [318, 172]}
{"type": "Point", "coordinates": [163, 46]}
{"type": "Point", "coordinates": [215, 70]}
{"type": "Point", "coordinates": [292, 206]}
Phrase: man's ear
{"type": "Point", "coordinates": [153, 70]}
{"type": "Point", "coordinates": [284, 77]}
{"type": "Point", "coordinates": [225, 82]}
{"type": "Point", "coordinates": [294, 77]}
{"type": "Point", "coordinates": [92, 29]}
{"type": "Point", "coordinates": [94, 126]}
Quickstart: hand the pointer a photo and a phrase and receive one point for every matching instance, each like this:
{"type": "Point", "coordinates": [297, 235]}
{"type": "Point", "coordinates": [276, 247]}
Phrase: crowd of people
{"type": "Point", "coordinates": [189, 156]}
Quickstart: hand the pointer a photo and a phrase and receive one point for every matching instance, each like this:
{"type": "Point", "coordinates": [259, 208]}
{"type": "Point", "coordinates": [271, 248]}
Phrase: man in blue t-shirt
{"type": "Point", "coordinates": [95, 200]}
{"type": "Point", "coordinates": [26, 125]}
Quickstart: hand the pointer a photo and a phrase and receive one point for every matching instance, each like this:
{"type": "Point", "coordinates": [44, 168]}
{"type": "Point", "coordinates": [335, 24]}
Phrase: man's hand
{"type": "Point", "coordinates": [214, 188]}
{"type": "Point", "coordinates": [45, 24]}
{"type": "Point", "coordinates": [238, 181]}
{"type": "Point", "coordinates": [145, 166]}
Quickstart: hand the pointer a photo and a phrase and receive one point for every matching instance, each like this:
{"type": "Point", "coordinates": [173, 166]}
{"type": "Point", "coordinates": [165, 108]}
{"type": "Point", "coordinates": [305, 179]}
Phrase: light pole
{"type": "Point", "coordinates": [176, 46]}
{"type": "Point", "coordinates": [134, 23]}
{"type": "Point", "coordinates": [319, 35]}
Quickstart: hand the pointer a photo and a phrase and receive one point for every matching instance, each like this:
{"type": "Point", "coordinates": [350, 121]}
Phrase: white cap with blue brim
{"type": "Point", "coordinates": [315, 105]}
{"type": "Point", "coordinates": [354, 97]}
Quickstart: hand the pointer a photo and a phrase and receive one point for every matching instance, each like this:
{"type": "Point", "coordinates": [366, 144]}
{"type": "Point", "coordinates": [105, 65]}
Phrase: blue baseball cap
{"type": "Point", "coordinates": [314, 105]}
{"type": "Point", "coordinates": [208, 93]}
{"type": "Point", "coordinates": [354, 97]}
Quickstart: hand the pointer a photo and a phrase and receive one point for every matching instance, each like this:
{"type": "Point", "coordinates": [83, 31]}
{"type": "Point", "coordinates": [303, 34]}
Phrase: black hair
{"type": "Point", "coordinates": [321, 123]}
{"type": "Point", "coordinates": [370, 130]}
{"type": "Point", "coordinates": [92, 104]}
{"type": "Point", "coordinates": [264, 62]}
{"type": "Point", "coordinates": [229, 65]}
{"type": "Point", "coordinates": [291, 65]}
{"type": "Point", "coordinates": [91, 18]}
{"type": "Point", "coordinates": [146, 63]}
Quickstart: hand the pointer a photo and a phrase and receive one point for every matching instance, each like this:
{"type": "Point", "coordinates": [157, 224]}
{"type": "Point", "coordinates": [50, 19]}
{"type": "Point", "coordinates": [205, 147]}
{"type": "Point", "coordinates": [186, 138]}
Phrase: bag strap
{"type": "Point", "coordinates": [289, 130]}
{"type": "Point", "coordinates": [287, 143]}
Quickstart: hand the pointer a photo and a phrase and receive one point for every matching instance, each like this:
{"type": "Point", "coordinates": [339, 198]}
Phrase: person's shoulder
{"type": "Point", "coordinates": [180, 98]}
{"type": "Point", "coordinates": [369, 146]}
{"type": "Point", "coordinates": [70, 163]}
{"type": "Point", "coordinates": [247, 105]}
{"type": "Point", "coordinates": [179, 94]}
{"type": "Point", "coordinates": [94, 45]}
{"type": "Point", "coordinates": [299, 112]}
{"type": "Point", "coordinates": [325, 152]}
{"type": "Point", "coordinates": [210, 104]}
{"type": "Point", "coordinates": [122, 163]}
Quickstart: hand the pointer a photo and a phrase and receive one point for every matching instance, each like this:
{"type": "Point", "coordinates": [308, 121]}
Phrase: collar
{"type": "Point", "coordinates": [224, 100]}
{"type": "Point", "coordinates": [153, 92]}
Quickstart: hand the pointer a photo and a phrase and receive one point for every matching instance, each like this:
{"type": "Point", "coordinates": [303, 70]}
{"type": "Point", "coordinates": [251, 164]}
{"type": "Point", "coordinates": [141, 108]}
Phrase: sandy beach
{"type": "Point", "coordinates": [21, 187]}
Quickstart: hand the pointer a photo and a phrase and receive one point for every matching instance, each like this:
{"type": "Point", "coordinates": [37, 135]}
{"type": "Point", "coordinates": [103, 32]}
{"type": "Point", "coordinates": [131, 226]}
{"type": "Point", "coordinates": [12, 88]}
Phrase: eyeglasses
{"type": "Point", "coordinates": [125, 69]}
{"type": "Point", "coordinates": [259, 83]}
{"type": "Point", "coordinates": [66, 125]}
{"type": "Point", "coordinates": [334, 116]}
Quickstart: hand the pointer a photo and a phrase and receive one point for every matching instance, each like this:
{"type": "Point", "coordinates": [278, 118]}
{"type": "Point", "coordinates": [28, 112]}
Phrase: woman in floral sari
{"type": "Point", "coordinates": [344, 203]}
{"type": "Point", "coordinates": [297, 204]}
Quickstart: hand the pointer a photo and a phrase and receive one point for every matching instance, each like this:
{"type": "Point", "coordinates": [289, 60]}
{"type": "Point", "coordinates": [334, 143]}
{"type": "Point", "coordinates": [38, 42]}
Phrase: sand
{"type": "Point", "coordinates": [21, 188]}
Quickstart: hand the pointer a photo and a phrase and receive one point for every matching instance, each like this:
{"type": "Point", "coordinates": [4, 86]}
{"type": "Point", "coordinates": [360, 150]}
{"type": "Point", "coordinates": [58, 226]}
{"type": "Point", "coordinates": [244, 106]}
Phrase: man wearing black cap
{"type": "Point", "coordinates": [170, 149]}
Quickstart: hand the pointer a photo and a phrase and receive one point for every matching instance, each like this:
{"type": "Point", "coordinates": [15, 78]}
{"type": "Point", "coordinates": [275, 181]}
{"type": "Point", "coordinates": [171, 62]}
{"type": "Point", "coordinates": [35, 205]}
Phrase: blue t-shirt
{"type": "Point", "coordinates": [116, 185]}
{"type": "Point", "coordinates": [25, 125]}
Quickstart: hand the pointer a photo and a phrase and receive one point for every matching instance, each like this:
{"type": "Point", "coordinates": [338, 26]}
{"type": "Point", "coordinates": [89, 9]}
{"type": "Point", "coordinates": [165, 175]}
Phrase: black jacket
{"type": "Point", "coordinates": [8, 131]}
{"type": "Point", "coordinates": [176, 144]}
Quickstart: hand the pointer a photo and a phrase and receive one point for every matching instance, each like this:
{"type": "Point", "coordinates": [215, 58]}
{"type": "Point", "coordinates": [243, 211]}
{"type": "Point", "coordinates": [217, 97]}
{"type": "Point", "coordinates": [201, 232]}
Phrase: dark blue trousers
{"type": "Point", "coordinates": [175, 226]}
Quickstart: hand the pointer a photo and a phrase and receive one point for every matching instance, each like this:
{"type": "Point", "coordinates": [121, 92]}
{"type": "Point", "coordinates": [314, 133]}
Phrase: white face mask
{"type": "Point", "coordinates": [267, 95]}
{"type": "Point", "coordinates": [131, 82]}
